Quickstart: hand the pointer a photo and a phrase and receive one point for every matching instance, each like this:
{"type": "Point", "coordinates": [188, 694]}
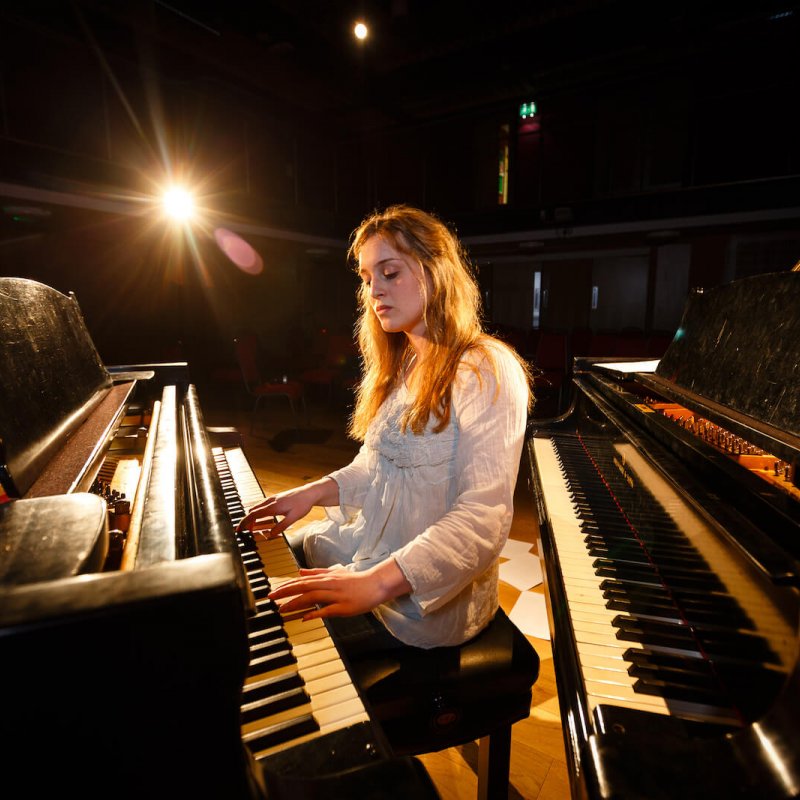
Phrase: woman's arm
{"type": "Point", "coordinates": [294, 504]}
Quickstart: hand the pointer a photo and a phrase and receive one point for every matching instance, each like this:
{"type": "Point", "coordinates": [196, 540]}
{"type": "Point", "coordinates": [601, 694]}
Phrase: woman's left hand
{"type": "Point", "coordinates": [339, 592]}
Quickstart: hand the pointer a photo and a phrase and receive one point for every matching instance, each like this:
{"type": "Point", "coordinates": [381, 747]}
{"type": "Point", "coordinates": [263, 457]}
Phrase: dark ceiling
{"type": "Point", "coordinates": [424, 59]}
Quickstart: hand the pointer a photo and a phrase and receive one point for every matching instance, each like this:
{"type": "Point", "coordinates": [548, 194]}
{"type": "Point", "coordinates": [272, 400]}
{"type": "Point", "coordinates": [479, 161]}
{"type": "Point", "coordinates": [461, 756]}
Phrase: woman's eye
{"type": "Point", "coordinates": [389, 276]}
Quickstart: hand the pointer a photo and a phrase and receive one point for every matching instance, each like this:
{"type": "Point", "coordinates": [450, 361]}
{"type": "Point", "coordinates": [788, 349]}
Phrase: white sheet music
{"type": "Point", "coordinates": [629, 366]}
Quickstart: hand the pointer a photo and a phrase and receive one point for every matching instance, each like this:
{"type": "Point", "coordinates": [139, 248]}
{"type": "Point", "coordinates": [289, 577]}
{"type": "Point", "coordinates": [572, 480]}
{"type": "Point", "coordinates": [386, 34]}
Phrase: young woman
{"type": "Point", "coordinates": [416, 522]}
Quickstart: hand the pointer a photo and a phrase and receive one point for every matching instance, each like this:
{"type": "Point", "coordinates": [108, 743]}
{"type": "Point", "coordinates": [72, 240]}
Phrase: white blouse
{"type": "Point", "coordinates": [440, 503]}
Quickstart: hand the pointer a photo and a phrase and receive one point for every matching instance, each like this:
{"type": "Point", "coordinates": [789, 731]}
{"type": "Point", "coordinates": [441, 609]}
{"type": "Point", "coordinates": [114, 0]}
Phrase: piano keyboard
{"type": "Point", "coordinates": [297, 688]}
{"type": "Point", "coordinates": [655, 628]}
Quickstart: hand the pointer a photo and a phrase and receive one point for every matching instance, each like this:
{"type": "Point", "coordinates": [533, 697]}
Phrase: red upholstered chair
{"type": "Point", "coordinates": [258, 387]}
{"type": "Point", "coordinates": [338, 364]}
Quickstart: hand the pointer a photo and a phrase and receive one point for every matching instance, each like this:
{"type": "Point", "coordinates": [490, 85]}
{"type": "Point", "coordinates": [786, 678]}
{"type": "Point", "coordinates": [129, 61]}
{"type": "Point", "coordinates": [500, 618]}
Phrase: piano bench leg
{"type": "Point", "coordinates": [494, 759]}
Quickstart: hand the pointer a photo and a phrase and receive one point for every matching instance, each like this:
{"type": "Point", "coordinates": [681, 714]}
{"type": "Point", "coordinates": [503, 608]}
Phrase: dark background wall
{"type": "Point", "coordinates": [664, 156]}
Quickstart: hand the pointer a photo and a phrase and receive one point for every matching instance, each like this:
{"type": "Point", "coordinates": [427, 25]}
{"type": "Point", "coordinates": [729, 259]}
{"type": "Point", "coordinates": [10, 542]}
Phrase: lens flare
{"type": "Point", "coordinates": [239, 251]}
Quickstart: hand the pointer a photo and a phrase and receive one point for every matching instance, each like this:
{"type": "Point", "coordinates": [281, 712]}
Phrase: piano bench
{"type": "Point", "coordinates": [429, 700]}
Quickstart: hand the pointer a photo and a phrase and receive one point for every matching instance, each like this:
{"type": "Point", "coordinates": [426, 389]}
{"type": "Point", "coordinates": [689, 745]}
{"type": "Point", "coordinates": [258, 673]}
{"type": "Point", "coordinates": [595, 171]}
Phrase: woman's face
{"type": "Point", "coordinates": [394, 284]}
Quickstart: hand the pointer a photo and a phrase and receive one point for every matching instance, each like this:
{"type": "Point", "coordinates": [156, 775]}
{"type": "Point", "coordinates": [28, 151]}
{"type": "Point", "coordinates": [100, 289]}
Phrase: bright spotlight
{"type": "Point", "coordinates": [360, 30]}
{"type": "Point", "coordinates": [178, 204]}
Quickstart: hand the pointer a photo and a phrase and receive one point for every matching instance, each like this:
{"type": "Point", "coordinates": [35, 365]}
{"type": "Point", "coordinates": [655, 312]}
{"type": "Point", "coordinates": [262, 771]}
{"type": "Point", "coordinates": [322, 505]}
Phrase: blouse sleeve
{"type": "Point", "coordinates": [353, 481]}
{"type": "Point", "coordinates": [491, 416]}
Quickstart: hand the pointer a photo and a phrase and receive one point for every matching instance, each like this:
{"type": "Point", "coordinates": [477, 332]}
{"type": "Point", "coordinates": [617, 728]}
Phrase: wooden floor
{"type": "Point", "coordinates": [283, 457]}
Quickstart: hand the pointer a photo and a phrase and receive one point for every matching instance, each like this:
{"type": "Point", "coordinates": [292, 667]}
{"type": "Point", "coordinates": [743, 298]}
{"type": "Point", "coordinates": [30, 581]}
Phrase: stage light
{"type": "Point", "coordinates": [178, 204]}
{"type": "Point", "coordinates": [361, 31]}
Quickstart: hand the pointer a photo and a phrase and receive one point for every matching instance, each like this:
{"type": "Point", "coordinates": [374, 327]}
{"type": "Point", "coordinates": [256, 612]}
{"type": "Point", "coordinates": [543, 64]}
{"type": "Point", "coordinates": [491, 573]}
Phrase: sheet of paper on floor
{"type": "Point", "coordinates": [529, 614]}
{"type": "Point", "coordinates": [514, 547]}
{"type": "Point", "coordinates": [523, 572]}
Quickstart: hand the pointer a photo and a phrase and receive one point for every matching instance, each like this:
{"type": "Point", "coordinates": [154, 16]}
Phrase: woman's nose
{"type": "Point", "coordinates": [375, 290]}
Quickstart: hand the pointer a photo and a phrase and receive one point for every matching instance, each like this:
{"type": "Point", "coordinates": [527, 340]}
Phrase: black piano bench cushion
{"type": "Point", "coordinates": [428, 700]}
{"type": "Point", "coordinates": [401, 778]}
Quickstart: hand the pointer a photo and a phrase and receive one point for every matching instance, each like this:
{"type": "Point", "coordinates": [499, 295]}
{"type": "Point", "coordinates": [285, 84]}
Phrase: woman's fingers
{"type": "Point", "coordinates": [337, 592]}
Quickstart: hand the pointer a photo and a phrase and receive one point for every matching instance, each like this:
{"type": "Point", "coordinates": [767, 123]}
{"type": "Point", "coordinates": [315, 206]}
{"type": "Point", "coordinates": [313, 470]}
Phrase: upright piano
{"type": "Point", "coordinates": [140, 654]}
{"type": "Point", "coordinates": [669, 514]}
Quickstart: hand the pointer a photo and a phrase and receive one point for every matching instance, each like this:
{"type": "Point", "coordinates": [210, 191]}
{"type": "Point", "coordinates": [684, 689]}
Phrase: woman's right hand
{"type": "Point", "coordinates": [290, 506]}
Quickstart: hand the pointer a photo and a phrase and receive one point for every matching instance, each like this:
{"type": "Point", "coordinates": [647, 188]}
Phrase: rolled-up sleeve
{"type": "Point", "coordinates": [490, 415]}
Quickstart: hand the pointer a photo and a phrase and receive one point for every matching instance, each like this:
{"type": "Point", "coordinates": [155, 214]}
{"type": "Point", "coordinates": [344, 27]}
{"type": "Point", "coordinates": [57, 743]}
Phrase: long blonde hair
{"type": "Point", "coordinates": [452, 317]}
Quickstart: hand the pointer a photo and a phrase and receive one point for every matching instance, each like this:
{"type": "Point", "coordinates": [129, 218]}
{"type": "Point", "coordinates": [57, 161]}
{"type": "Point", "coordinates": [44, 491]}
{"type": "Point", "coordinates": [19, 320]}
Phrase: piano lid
{"type": "Point", "coordinates": [52, 378]}
{"type": "Point", "coordinates": [738, 345]}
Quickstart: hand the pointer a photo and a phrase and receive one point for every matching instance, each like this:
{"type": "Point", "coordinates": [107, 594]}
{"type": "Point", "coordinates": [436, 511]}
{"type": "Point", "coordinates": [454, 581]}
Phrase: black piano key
{"type": "Point", "coordinates": [265, 687]}
{"type": "Point", "coordinates": [265, 619]}
{"type": "Point", "coordinates": [707, 581]}
{"type": "Point", "coordinates": [614, 589]}
{"type": "Point", "coordinates": [659, 659]}
{"type": "Point", "coordinates": [690, 601]}
{"type": "Point", "coordinates": [685, 677]}
{"type": "Point", "coordinates": [630, 576]}
{"type": "Point", "coordinates": [267, 634]}
{"type": "Point", "coordinates": [660, 610]}
{"type": "Point", "coordinates": [281, 732]}
{"type": "Point", "coordinates": [267, 646]}
{"type": "Point", "coordinates": [640, 555]}
{"type": "Point", "coordinates": [654, 547]}
{"type": "Point", "coordinates": [670, 610]}
{"type": "Point", "coordinates": [617, 586]}
{"type": "Point", "coordinates": [674, 691]}
{"type": "Point", "coordinates": [263, 606]}
{"type": "Point", "coordinates": [260, 592]}
{"type": "Point", "coordinates": [273, 703]}
{"type": "Point", "coordinates": [655, 634]}
{"type": "Point", "coordinates": [282, 658]}
{"type": "Point", "coordinates": [737, 677]}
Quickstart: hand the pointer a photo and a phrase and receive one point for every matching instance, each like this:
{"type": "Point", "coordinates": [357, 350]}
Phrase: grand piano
{"type": "Point", "coordinates": [140, 655]}
{"type": "Point", "coordinates": [669, 514]}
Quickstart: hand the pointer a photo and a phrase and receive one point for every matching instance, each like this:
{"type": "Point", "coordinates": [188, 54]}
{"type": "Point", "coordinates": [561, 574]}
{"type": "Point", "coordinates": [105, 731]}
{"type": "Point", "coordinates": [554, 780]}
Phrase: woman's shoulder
{"type": "Point", "coordinates": [493, 366]}
{"type": "Point", "coordinates": [490, 353]}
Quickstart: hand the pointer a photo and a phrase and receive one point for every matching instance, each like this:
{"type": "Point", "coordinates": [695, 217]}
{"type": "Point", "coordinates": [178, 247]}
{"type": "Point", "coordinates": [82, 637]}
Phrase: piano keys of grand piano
{"type": "Point", "coordinates": [298, 695]}
{"type": "Point", "coordinates": [606, 657]}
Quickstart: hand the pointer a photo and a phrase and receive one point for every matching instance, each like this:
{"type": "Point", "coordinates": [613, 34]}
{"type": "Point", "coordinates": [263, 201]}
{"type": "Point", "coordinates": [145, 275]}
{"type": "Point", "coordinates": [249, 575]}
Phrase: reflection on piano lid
{"type": "Point", "coordinates": [670, 536]}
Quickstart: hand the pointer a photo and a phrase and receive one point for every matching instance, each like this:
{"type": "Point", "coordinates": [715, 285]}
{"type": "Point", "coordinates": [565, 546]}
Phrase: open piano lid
{"type": "Point", "coordinates": [738, 345]}
{"type": "Point", "coordinates": [52, 378]}
{"type": "Point", "coordinates": [735, 359]}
